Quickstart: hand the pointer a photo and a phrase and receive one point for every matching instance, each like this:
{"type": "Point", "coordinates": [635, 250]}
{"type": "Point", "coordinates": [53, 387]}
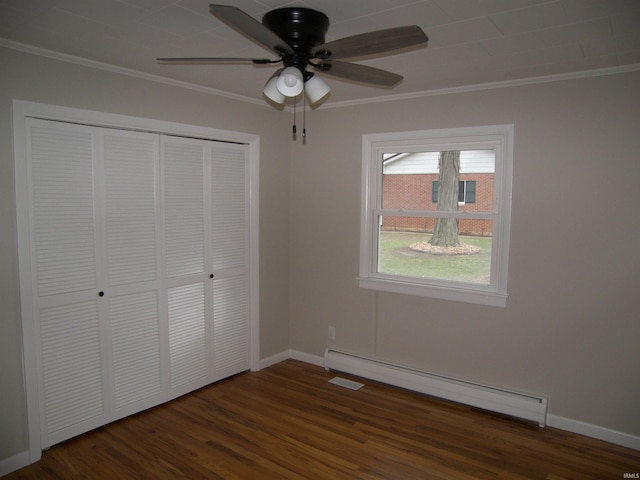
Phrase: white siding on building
{"type": "Point", "coordinates": [471, 161]}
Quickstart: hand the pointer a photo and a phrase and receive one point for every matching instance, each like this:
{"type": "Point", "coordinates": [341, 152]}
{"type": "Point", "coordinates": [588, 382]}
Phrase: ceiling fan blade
{"type": "Point", "coordinates": [371, 43]}
{"type": "Point", "coordinates": [250, 27]}
{"type": "Point", "coordinates": [359, 73]}
{"type": "Point", "coordinates": [212, 60]}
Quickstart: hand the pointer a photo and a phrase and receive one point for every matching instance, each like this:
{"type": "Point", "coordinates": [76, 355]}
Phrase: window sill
{"type": "Point", "coordinates": [456, 294]}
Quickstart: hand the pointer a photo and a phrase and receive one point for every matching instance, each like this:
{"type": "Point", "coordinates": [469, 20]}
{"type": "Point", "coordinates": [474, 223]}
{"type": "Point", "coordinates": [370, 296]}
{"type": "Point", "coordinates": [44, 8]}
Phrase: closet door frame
{"type": "Point", "coordinates": [22, 110]}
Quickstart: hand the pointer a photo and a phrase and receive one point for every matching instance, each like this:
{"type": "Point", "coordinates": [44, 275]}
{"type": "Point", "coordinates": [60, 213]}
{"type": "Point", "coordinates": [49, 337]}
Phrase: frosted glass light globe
{"type": "Point", "coordinates": [290, 83]}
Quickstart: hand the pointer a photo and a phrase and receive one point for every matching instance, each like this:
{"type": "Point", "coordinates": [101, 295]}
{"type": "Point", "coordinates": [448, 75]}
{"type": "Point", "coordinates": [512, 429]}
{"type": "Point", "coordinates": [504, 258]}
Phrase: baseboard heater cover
{"type": "Point", "coordinates": [508, 402]}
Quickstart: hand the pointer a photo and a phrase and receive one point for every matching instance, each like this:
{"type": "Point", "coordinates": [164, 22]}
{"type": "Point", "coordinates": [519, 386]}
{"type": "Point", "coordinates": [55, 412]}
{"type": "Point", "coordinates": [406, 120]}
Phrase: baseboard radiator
{"type": "Point", "coordinates": [517, 404]}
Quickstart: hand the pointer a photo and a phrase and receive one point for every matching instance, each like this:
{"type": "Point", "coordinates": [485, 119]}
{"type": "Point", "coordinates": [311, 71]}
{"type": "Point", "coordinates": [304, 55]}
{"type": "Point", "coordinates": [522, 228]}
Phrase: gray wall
{"type": "Point", "coordinates": [36, 79]}
{"type": "Point", "coordinates": [572, 323]}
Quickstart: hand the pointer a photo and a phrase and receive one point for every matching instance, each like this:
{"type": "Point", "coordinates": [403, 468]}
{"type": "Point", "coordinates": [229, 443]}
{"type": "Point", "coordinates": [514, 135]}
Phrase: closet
{"type": "Point", "coordinates": [138, 269]}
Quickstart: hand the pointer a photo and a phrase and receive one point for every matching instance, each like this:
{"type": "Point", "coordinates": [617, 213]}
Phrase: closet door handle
{"type": "Point", "coordinates": [101, 294]}
{"type": "Point", "coordinates": [211, 276]}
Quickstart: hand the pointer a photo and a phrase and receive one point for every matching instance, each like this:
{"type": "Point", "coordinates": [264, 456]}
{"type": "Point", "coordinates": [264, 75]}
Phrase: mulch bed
{"type": "Point", "coordinates": [462, 249]}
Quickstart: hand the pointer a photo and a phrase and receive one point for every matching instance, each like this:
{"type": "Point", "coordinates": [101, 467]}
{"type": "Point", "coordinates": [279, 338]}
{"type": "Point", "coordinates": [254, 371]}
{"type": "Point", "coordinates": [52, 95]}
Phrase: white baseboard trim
{"type": "Point", "coordinates": [307, 358]}
{"type": "Point", "coordinates": [272, 360]}
{"type": "Point", "coordinates": [574, 426]}
{"type": "Point", "coordinates": [294, 355]}
{"type": "Point", "coordinates": [14, 463]}
{"type": "Point", "coordinates": [594, 431]}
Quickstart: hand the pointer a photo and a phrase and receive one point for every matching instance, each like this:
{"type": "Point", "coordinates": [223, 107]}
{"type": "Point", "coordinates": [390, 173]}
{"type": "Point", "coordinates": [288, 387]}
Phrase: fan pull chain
{"type": "Point", "coordinates": [294, 130]}
{"type": "Point", "coordinates": [304, 118]}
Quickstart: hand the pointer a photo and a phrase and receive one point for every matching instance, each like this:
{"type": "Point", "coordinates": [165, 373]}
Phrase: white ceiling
{"type": "Point", "coordinates": [471, 42]}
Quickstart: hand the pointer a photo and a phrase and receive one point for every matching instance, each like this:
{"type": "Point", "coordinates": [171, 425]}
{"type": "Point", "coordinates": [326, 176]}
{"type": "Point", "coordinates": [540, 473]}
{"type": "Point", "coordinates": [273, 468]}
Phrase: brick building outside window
{"type": "Point", "coordinates": [410, 182]}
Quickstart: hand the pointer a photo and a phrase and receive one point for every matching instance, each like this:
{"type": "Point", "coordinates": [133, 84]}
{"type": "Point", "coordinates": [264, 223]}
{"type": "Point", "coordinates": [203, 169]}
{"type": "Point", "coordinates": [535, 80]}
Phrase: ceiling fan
{"type": "Point", "coordinates": [296, 35]}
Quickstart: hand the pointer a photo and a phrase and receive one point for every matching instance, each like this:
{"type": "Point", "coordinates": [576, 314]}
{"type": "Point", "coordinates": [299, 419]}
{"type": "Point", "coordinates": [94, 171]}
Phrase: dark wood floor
{"type": "Point", "coordinates": [288, 422]}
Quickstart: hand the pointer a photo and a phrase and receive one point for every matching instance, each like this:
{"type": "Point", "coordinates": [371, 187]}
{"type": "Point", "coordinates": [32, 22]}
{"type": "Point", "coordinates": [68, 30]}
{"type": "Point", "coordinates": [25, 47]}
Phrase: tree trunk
{"type": "Point", "coordinates": [445, 233]}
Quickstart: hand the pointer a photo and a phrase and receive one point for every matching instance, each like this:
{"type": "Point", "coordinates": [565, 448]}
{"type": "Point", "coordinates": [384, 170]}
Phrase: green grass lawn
{"type": "Point", "coordinates": [397, 258]}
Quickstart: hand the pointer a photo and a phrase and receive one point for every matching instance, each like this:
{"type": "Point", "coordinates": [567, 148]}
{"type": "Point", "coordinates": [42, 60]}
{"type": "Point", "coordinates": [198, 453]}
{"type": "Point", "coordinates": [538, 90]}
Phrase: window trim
{"type": "Point", "coordinates": [497, 137]}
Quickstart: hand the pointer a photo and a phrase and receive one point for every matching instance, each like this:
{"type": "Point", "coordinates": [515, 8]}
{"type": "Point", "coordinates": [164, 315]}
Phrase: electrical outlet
{"type": "Point", "coordinates": [332, 333]}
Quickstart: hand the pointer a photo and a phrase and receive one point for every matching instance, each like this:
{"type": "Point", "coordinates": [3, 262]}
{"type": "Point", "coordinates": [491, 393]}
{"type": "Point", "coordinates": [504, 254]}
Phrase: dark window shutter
{"type": "Point", "coordinates": [470, 196]}
{"type": "Point", "coordinates": [434, 191]}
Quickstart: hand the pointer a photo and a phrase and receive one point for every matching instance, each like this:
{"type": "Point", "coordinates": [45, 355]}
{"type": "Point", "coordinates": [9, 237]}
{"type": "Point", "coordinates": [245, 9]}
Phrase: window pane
{"type": "Point", "coordinates": [412, 181]}
{"type": "Point", "coordinates": [446, 188]}
{"type": "Point", "coordinates": [404, 249]}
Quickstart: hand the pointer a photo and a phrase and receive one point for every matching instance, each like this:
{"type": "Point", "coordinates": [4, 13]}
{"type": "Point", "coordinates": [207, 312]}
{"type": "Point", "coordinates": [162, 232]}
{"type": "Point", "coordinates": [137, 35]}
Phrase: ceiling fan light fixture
{"type": "Point", "coordinates": [296, 35]}
{"type": "Point", "coordinates": [290, 82]}
{"type": "Point", "coordinates": [316, 89]}
{"type": "Point", "coordinates": [271, 90]}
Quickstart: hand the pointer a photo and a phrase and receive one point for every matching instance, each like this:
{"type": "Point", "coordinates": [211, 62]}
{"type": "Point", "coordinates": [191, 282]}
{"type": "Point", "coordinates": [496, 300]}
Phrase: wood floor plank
{"type": "Point", "coordinates": [289, 422]}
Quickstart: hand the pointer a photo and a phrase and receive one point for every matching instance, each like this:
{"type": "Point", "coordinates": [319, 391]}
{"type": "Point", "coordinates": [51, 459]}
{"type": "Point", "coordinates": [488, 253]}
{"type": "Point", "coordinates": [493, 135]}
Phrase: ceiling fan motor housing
{"type": "Point", "coordinates": [301, 28]}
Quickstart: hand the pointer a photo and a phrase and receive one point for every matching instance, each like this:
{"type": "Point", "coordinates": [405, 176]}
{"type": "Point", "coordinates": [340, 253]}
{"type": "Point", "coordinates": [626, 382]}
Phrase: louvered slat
{"type": "Point", "coordinates": [129, 165]}
{"type": "Point", "coordinates": [71, 365]}
{"type": "Point", "coordinates": [63, 213]}
{"type": "Point", "coordinates": [184, 207]}
{"type": "Point", "coordinates": [187, 344]}
{"type": "Point", "coordinates": [230, 323]}
{"type": "Point", "coordinates": [229, 207]}
{"type": "Point", "coordinates": [135, 347]}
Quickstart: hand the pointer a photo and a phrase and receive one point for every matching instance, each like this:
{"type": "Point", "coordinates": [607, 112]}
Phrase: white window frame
{"type": "Point", "coordinates": [374, 146]}
{"type": "Point", "coordinates": [464, 192]}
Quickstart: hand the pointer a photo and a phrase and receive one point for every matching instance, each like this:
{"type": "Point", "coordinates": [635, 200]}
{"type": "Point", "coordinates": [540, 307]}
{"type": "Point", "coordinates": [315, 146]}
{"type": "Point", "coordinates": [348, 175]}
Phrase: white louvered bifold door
{"type": "Point", "coordinates": [206, 234]}
{"type": "Point", "coordinates": [230, 258]}
{"type": "Point", "coordinates": [137, 269]}
{"type": "Point", "coordinates": [65, 252]}
{"type": "Point", "coordinates": [185, 187]}
{"type": "Point", "coordinates": [95, 222]}
{"type": "Point", "coordinates": [132, 235]}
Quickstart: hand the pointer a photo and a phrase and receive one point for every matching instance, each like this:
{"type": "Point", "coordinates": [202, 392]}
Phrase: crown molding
{"type": "Point", "coordinates": [491, 85]}
{"type": "Point", "coordinates": [43, 52]}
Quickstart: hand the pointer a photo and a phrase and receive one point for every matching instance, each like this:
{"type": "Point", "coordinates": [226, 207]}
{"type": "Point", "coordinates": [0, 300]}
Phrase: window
{"type": "Point", "coordinates": [466, 191]}
{"type": "Point", "coordinates": [436, 209]}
